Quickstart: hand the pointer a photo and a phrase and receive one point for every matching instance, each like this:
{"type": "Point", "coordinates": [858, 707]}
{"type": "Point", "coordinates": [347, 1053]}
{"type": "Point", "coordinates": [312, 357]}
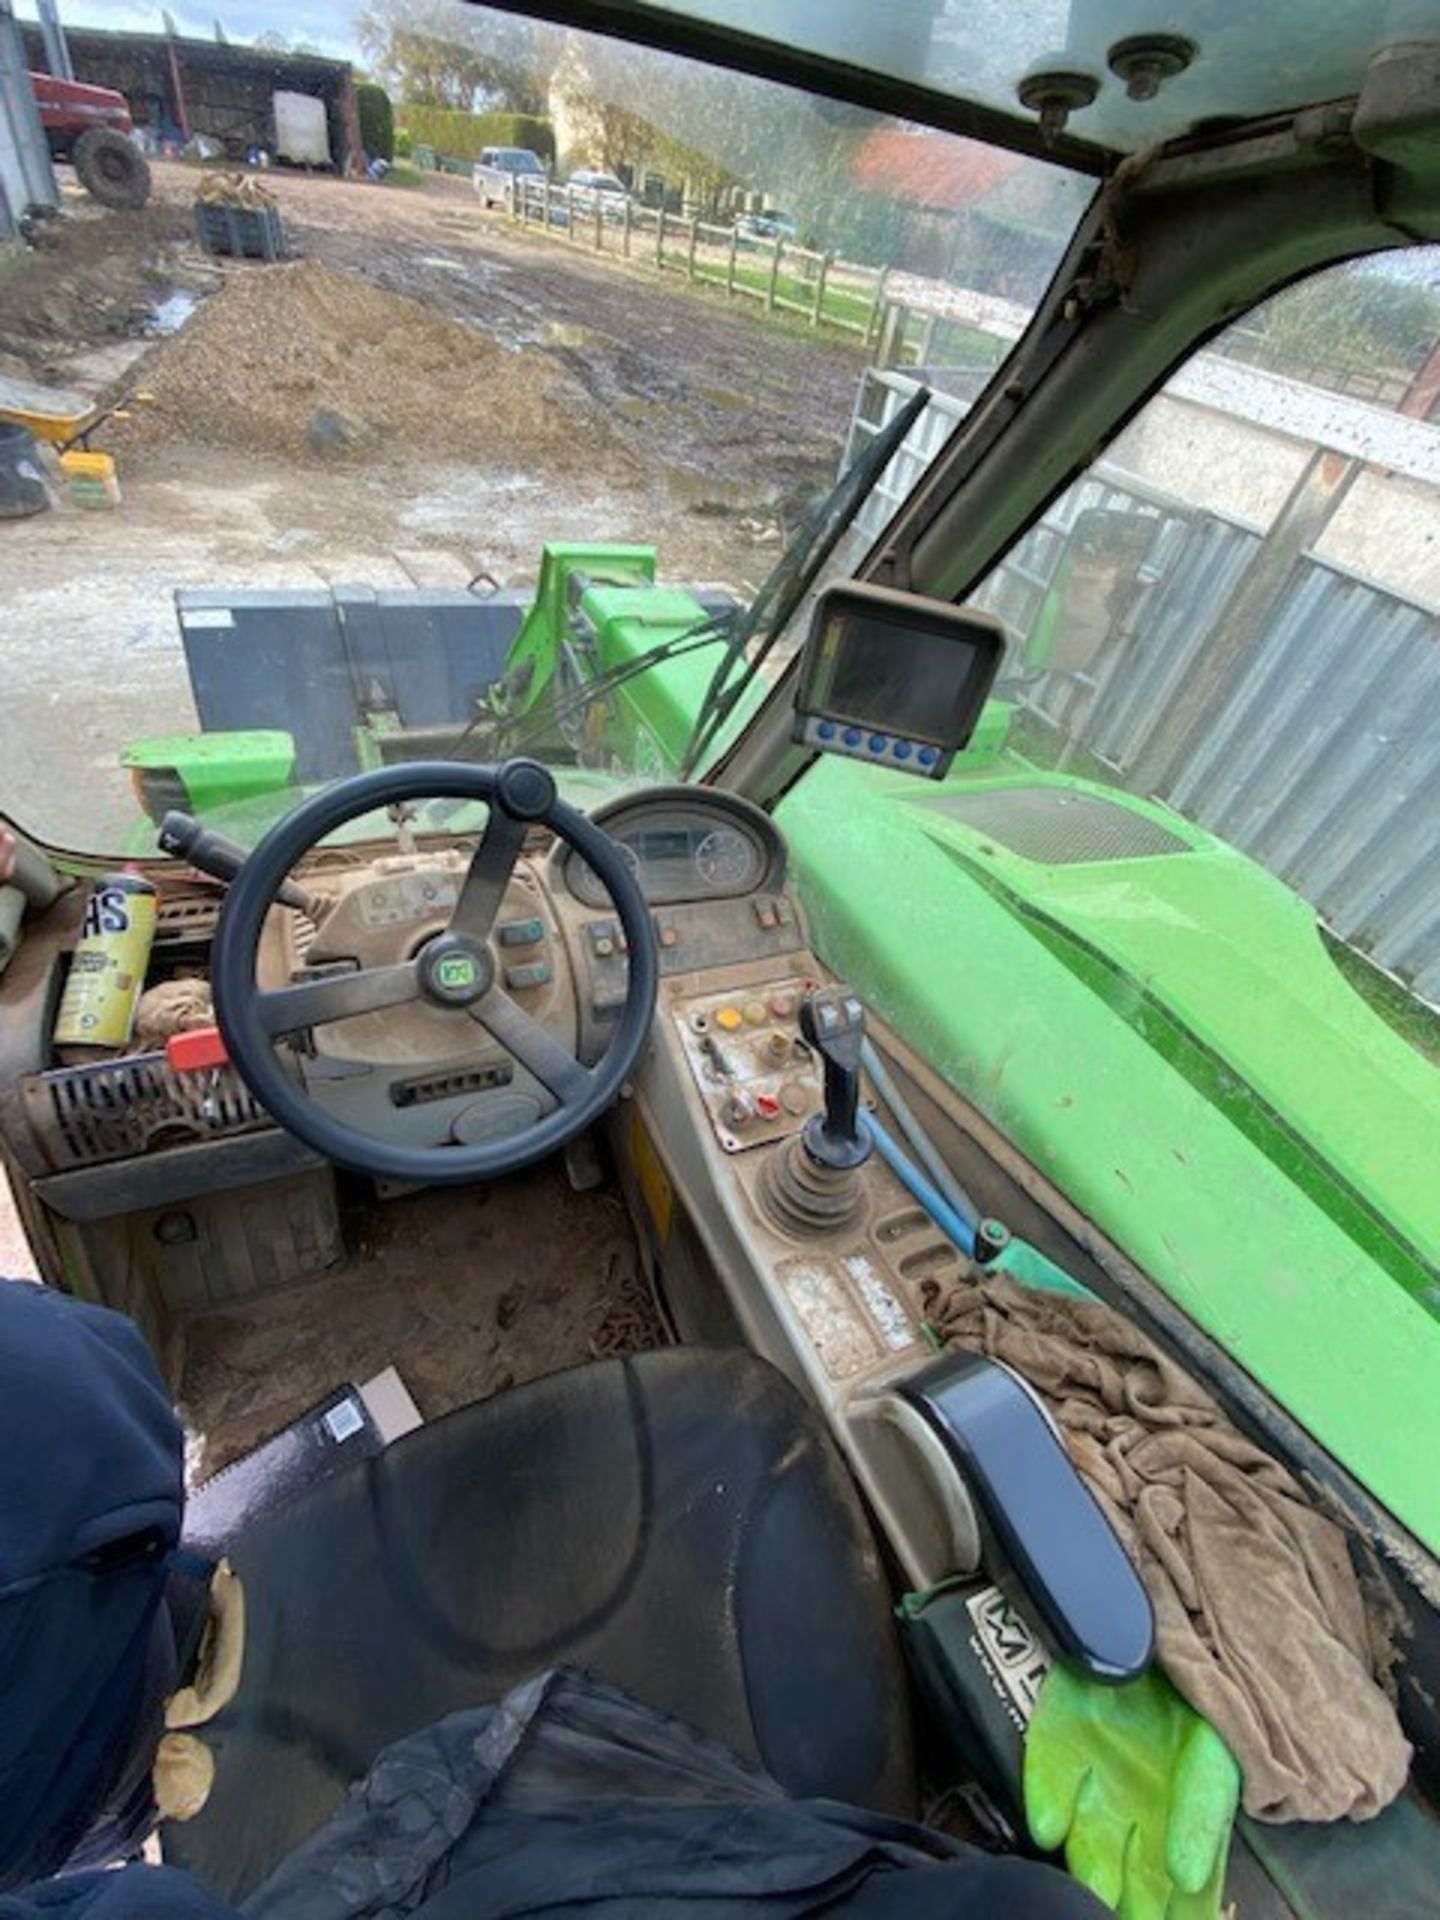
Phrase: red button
{"type": "Point", "coordinates": [766, 1105]}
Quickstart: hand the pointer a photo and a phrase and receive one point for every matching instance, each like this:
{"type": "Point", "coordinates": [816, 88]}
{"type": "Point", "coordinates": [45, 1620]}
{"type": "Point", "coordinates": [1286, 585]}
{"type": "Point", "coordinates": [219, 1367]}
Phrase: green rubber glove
{"type": "Point", "coordinates": [1139, 1790]}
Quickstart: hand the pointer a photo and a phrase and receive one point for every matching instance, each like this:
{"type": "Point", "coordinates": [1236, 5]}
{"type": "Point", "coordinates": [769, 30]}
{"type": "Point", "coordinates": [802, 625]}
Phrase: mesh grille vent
{"type": "Point", "coordinates": [115, 1109]}
{"type": "Point", "coordinates": [1058, 828]}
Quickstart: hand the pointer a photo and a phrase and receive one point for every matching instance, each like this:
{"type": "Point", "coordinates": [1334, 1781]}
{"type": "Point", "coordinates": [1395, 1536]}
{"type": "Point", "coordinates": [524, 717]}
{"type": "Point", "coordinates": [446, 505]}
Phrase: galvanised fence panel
{"type": "Point", "coordinates": [1321, 761]}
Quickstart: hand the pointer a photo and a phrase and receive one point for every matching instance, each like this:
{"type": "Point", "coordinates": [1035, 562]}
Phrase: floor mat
{"type": "Point", "coordinates": [464, 1290]}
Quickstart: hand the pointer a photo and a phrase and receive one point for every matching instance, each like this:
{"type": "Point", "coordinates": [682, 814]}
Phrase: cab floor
{"type": "Point", "coordinates": [464, 1291]}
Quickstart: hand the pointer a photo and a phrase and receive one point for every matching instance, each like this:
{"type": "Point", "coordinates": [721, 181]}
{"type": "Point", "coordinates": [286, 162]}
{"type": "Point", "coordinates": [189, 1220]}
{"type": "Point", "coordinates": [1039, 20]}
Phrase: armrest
{"type": "Point", "coordinates": [1041, 1523]}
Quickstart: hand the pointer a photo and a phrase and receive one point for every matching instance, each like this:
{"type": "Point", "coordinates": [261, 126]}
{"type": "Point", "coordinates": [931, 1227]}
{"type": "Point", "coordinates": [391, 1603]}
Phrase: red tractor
{"type": "Point", "coordinates": [91, 127]}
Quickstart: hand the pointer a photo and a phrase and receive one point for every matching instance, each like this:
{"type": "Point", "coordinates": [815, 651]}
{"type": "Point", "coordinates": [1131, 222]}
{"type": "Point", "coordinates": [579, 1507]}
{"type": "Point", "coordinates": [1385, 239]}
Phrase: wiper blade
{"type": "Point", "coordinates": [791, 578]}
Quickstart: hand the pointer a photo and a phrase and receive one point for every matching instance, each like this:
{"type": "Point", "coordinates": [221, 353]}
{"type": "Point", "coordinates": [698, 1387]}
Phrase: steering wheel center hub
{"type": "Point", "coordinates": [455, 970]}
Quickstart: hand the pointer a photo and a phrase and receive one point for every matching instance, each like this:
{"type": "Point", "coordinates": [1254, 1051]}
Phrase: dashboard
{"type": "Point", "coordinates": [713, 871]}
{"type": "Point", "coordinates": [712, 868]}
{"type": "Point", "coordinates": [683, 845]}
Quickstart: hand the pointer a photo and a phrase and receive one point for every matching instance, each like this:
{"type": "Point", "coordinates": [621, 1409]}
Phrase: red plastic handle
{"type": "Point", "coordinates": [189, 1052]}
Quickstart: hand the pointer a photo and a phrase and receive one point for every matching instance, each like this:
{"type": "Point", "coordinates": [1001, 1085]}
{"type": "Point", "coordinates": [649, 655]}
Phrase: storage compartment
{"type": "Point", "coordinates": [233, 1245]}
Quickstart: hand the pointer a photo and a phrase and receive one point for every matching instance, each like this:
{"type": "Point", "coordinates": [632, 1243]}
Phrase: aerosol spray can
{"type": "Point", "coordinates": [107, 970]}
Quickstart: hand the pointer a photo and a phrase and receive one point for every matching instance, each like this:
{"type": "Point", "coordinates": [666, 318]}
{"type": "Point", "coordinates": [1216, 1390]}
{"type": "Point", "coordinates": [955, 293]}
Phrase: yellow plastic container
{"type": "Point", "coordinates": [91, 479]}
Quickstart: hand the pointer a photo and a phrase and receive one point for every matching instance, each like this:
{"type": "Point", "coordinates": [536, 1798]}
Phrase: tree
{"type": "Point", "coordinates": [377, 122]}
{"type": "Point", "coordinates": [1359, 319]}
{"type": "Point", "coordinates": [440, 54]}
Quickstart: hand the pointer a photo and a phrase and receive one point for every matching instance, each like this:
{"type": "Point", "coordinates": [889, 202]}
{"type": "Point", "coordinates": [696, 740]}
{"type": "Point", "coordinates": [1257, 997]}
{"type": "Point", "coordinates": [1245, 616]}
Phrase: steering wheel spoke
{"type": "Point", "coordinates": [525, 1040]}
{"type": "Point", "coordinates": [491, 866]}
{"type": "Point", "coordinates": [338, 996]}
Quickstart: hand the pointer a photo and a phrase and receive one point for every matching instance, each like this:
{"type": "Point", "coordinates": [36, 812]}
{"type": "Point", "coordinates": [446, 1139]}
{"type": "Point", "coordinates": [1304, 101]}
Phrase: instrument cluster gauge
{"type": "Point", "coordinates": [684, 844]}
{"type": "Point", "coordinates": [727, 860]}
{"type": "Point", "coordinates": [585, 882]}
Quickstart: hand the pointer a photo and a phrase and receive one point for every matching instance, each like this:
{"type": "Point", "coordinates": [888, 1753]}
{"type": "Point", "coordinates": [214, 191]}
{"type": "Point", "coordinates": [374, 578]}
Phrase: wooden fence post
{"type": "Point", "coordinates": [730, 269]}
{"type": "Point", "coordinates": [820, 280]}
{"type": "Point", "coordinates": [877, 308]}
{"type": "Point", "coordinates": [690, 249]}
{"type": "Point", "coordinates": [890, 348]}
{"type": "Point", "coordinates": [545, 205]}
{"type": "Point", "coordinates": [774, 276]}
{"type": "Point", "coordinates": [570, 212]}
{"type": "Point", "coordinates": [625, 227]}
{"type": "Point", "coordinates": [660, 237]}
{"type": "Point", "coordinates": [599, 225]}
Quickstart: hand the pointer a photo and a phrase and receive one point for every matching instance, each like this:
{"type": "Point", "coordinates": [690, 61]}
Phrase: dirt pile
{"type": "Point", "coordinates": [92, 278]}
{"type": "Point", "coordinates": [304, 362]}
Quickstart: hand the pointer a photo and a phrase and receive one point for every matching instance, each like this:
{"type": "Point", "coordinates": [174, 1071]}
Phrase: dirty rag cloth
{"type": "Point", "coordinates": [171, 1007]}
{"type": "Point", "coordinates": [1259, 1618]}
{"type": "Point", "coordinates": [569, 1796]}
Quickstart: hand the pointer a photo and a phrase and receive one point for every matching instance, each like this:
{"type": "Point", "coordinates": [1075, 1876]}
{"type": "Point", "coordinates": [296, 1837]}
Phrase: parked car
{"type": "Point", "coordinates": [769, 225]}
{"type": "Point", "coordinates": [498, 169]}
{"type": "Point", "coordinates": [92, 128]}
{"type": "Point", "coordinates": [587, 186]}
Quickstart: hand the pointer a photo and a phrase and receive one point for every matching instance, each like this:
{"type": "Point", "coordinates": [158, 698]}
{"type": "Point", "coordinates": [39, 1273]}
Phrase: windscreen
{"type": "Point", "coordinates": [389, 457]}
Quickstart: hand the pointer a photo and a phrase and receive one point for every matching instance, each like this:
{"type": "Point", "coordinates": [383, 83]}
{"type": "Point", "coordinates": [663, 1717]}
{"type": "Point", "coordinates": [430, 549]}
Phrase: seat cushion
{"type": "Point", "coordinates": [679, 1522]}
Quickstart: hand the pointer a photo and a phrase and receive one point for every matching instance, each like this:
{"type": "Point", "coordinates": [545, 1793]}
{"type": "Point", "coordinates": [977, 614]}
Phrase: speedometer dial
{"type": "Point", "coordinates": [587, 884]}
{"type": "Point", "coordinates": [726, 859]}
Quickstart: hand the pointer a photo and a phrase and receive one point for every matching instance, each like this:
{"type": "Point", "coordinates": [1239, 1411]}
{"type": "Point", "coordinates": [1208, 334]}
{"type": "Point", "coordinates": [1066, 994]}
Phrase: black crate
{"type": "Point", "coordinates": [249, 233]}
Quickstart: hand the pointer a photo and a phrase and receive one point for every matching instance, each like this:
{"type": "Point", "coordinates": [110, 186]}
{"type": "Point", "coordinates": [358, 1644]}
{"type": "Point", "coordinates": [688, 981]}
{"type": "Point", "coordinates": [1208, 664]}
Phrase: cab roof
{"type": "Point", "coordinates": [1199, 64]}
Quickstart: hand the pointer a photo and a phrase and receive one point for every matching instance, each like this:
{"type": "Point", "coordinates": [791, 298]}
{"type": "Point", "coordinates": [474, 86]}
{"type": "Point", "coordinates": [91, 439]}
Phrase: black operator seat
{"type": "Point", "coordinates": [679, 1522]}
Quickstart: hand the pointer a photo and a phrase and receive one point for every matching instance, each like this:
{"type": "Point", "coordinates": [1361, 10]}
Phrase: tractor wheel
{"type": "Point", "coordinates": [112, 169]}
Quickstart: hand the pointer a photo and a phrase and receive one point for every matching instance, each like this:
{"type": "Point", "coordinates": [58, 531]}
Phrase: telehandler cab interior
{"type": "Point", "coordinates": [839, 962]}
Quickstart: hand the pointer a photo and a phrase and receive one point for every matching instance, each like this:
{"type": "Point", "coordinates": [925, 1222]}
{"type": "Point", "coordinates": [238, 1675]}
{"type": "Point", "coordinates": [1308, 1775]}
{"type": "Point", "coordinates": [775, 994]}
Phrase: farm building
{"type": "Point", "coordinates": [178, 88]}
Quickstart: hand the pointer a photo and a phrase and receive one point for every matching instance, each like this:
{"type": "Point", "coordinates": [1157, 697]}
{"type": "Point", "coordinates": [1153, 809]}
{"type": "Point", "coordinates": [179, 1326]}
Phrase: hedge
{"type": "Point", "coordinates": [451, 130]}
{"type": "Point", "coordinates": [377, 121]}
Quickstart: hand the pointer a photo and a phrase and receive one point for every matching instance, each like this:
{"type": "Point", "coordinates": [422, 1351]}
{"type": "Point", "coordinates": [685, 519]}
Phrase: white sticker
{"type": "Point", "coordinates": [345, 1421]}
{"type": "Point", "coordinates": [199, 618]}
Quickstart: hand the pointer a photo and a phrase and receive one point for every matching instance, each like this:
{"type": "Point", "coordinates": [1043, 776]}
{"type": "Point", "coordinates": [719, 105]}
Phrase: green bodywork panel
{"type": "Point", "coordinates": [603, 603]}
{"type": "Point", "coordinates": [1168, 1041]}
{"type": "Point", "coordinates": [537, 645]}
{"type": "Point", "coordinates": [218, 769]}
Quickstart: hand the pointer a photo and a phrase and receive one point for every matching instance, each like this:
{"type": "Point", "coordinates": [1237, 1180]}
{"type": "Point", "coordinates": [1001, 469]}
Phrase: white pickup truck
{"type": "Point", "coordinates": [498, 169]}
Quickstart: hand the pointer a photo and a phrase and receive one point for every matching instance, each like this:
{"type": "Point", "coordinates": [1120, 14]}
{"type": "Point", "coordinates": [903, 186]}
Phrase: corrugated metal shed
{"type": "Point", "coordinates": [1322, 759]}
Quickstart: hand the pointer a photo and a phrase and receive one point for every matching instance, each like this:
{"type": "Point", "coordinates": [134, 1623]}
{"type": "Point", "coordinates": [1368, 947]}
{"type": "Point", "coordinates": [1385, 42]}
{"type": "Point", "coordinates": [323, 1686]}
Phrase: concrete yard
{"type": "Point", "coordinates": [661, 414]}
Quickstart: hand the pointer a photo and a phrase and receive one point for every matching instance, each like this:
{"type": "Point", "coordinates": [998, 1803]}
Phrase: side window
{"type": "Point", "coordinates": [1236, 611]}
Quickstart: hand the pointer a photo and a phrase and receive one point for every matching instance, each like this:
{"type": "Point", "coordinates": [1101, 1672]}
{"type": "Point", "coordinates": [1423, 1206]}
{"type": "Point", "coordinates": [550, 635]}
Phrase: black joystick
{"type": "Point", "coordinates": [832, 1020]}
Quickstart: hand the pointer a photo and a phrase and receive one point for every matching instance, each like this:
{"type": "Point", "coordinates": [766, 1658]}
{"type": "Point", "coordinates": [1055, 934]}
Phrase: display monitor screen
{"type": "Point", "coordinates": [906, 668]}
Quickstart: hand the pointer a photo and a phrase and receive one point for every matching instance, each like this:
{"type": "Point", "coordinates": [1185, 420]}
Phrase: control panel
{"type": "Point", "coordinates": [690, 935]}
{"type": "Point", "coordinates": [759, 1079]}
{"type": "Point", "coordinates": [861, 743]}
{"type": "Point", "coordinates": [398, 896]}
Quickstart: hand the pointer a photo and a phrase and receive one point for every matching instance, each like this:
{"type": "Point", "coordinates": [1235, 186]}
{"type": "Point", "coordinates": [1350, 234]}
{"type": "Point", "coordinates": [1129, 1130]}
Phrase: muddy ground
{"type": "Point", "coordinates": [662, 414]}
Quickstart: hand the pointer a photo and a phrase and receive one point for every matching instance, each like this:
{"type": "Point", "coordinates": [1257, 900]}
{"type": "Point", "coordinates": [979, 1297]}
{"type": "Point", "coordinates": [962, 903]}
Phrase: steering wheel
{"type": "Point", "coordinates": [455, 968]}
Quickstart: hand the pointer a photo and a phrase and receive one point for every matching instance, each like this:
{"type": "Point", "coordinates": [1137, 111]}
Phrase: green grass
{"type": "Point", "coordinates": [840, 304]}
{"type": "Point", "coordinates": [402, 174]}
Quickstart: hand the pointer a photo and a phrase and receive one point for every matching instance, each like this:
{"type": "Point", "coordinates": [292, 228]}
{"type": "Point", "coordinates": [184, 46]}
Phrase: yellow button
{"type": "Point", "coordinates": [729, 1018]}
